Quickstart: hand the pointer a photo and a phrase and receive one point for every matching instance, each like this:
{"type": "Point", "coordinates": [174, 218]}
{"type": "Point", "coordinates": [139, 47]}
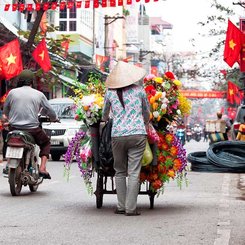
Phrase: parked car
{"type": "Point", "coordinates": [62, 133]}
{"type": "Point", "coordinates": [237, 121]}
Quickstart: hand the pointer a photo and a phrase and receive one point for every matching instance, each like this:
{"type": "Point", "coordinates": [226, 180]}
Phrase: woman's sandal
{"type": "Point", "coordinates": [135, 213]}
{"type": "Point", "coordinates": [117, 211]}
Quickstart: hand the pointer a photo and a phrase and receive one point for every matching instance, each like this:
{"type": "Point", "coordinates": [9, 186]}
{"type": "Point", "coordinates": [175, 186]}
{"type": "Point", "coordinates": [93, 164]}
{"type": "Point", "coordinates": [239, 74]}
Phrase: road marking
{"type": "Point", "coordinates": [223, 226]}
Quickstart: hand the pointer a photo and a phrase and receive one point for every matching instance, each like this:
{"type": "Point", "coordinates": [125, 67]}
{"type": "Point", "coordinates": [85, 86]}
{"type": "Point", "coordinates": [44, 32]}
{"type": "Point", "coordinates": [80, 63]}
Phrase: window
{"type": "Point", "coordinates": [68, 19]}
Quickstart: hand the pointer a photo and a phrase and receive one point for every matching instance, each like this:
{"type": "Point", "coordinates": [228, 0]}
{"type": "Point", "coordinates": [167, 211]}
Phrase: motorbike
{"type": "Point", "coordinates": [23, 160]}
{"type": "Point", "coordinates": [188, 135]}
{"type": "Point", "coordinates": [180, 134]}
{"type": "Point", "coordinates": [198, 135]}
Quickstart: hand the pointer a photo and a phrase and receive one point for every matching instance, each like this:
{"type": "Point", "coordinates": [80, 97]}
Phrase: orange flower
{"type": "Point", "coordinates": [177, 164]}
{"type": "Point", "coordinates": [173, 150]}
{"type": "Point", "coordinates": [171, 173]}
{"type": "Point", "coordinates": [169, 137]}
{"type": "Point", "coordinates": [152, 99]}
{"type": "Point", "coordinates": [154, 106]}
{"type": "Point", "coordinates": [85, 107]}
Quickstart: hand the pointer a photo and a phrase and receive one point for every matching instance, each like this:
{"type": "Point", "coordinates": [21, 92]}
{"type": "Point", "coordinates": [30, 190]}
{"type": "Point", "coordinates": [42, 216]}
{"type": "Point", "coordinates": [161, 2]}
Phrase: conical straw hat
{"type": "Point", "coordinates": [124, 74]}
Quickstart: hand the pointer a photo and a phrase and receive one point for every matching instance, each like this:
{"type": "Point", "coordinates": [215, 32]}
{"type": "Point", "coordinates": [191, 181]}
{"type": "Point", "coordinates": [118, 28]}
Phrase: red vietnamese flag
{"type": "Point", "coordinates": [233, 93]}
{"type": "Point", "coordinates": [41, 56]}
{"type": "Point", "coordinates": [10, 60]}
{"type": "Point", "coordinates": [230, 92]}
{"type": "Point", "coordinates": [233, 44]}
{"type": "Point", "coordinates": [242, 54]}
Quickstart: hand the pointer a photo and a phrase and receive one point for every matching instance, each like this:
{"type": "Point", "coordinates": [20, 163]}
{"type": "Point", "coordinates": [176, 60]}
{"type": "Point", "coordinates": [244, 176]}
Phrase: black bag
{"type": "Point", "coordinates": [105, 149]}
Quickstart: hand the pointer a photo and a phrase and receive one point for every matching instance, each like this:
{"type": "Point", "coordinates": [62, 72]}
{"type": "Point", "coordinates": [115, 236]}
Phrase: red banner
{"type": "Point", "coordinates": [45, 6]}
{"type": "Point", "coordinates": [203, 94]}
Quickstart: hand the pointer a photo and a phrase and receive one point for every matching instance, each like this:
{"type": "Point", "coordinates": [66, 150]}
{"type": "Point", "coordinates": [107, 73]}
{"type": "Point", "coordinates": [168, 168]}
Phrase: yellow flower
{"type": "Point", "coordinates": [99, 100]}
{"type": "Point", "coordinates": [184, 105]}
{"type": "Point", "coordinates": [158, 95]}
{"type": "Point", "coordinates": [158, 79]}
{"type": "Point", "coordinates": [177, 82]}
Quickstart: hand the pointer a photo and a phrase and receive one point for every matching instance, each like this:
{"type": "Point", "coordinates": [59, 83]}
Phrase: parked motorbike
{"type": "Point", "coordinates": [23, 160]}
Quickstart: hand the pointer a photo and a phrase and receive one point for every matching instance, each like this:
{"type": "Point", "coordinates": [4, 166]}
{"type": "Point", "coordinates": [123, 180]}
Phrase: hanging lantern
{"type": "Point", "coordinates": [7, 6]}
{"type": "Point", "coordinates": [29, 7]}
{"type": "Point", "coordinates": [14, 6]}
{"type": "Point", "coordinates": [21, 7]}
{"type": "Point", "coordinates": [54, 6]}
{"type": "Point", "coordinates": [112, 3]}
{"type": "Point", "coordinates": [104, 3]}
{"type": "Point", "coordinates": [62, 5]}
{"type": "Point", "coordinates": [87, 3]}
{"type": "Point", "coordinates": [45, 6]}
{"type": "Point", "coordinates": [96, 3]}
{"type": "Point", "coordinates": [79, 4]}
{"type": "Point", "coordinates": [129, 2]}
{"type": "Point", "coordinates": [120, 2]}
{"type": "Point", "coordinates": [69, 5]}
{"type": "Point", "coordinates": [38, 6]}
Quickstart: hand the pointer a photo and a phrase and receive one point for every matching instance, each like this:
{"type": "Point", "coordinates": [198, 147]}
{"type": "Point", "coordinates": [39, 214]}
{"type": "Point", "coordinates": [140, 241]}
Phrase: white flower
{"type": "Point", "coordinates": [163, 106]}
{"type": "Point", "coordinates": [163, 95]}
{"type": "Point", "coordinates": [178, 112]}
{"type": "Point", "coordinates": [88, 100]}
{"type": "Point", "coordinates": [155, 114]}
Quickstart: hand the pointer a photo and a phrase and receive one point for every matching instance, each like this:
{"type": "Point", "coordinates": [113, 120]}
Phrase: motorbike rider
{"type": "Point", "coordinates": [21, 109]}
{"type": "Point", "coordinates": [197, 131]}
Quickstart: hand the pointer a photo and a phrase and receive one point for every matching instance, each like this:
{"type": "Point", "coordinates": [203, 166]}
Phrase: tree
{"type": "Point", "coordinates": [216, 26]}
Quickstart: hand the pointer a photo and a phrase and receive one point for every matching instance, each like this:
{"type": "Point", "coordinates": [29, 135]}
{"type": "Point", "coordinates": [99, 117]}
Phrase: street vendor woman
{"type": "Point", "coordinates": [126, 102]}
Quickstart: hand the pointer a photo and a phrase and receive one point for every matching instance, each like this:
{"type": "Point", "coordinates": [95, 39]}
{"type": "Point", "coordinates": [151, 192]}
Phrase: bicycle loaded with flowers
{"type": "Point", "coordinates": [167, 104]}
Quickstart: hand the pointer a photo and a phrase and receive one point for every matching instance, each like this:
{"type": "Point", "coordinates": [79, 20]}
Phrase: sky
{"type": "Point", "coordinates": [184, 15]}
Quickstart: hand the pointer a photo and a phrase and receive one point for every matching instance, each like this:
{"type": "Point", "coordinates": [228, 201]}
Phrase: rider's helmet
{"type": "Point", "coordinates": [25, 78]}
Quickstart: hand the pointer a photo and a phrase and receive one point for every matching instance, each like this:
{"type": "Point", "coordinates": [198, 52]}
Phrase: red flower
{"type": "Point", "coordinates": [157, 184]}
{"type": "Point", "coordinates": [169, 75]}
{"type": "Point", "coordinates": [150, 89]}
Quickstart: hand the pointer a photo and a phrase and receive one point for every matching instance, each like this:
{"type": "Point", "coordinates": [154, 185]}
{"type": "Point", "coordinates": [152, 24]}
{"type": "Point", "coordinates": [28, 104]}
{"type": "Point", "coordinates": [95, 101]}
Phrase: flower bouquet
{"type": "Point", "coordinates": [89, 100]}
{"type": "Point", "coordinates": [166, 101]}
{"type": "Point", "coordinates": [167, 104]}
{"type": "Point", "coordinates": [171, 163]}
{"type": "Point", "coordinates": [80, 149]}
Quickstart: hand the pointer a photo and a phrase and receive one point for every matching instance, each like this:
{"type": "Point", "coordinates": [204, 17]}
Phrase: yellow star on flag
{"type": "Point", "coordinates": [42, 55]}
{"type": "Point", "coordinates": [232, 44]}
{"type": "Point", "coordinates": [231, 92]}
{"type": "Point", "coordinates": [11, 59]}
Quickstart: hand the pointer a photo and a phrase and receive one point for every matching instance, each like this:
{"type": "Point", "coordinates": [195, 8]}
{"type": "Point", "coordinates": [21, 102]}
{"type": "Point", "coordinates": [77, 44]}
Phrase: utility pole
{"type": "Point", "coordinates": [109, 20]}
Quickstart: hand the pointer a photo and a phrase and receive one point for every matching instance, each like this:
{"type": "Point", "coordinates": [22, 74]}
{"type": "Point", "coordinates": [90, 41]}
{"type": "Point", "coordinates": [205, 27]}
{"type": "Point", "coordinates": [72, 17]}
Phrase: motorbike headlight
{"type": "Point", "coordinates": [71, 131]}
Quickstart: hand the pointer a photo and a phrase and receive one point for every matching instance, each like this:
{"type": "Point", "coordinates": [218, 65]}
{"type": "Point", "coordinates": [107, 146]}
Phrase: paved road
{"type": "Point", "coordinates": [210, 211]}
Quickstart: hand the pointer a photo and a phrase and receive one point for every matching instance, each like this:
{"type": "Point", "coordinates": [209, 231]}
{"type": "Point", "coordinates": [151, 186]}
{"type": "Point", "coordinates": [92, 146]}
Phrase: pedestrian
{"type": "Point", "coordinates": [241, 131]}
{"type": "Point", "coordinates": [126, 103]}
{"type": "Point", "coordinates": [21, 110]}
{"type": "Point", "coordinates": [227, 124]}
{"type": "Point", "coordinates": [205, 134]}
